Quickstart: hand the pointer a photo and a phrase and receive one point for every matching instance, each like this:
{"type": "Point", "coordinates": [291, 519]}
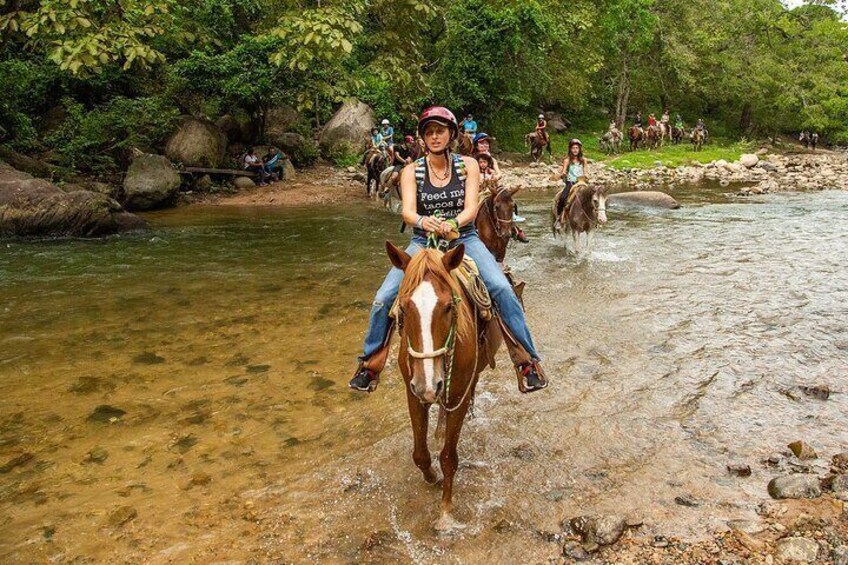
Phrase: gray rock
{"type": "Point", "coordinates": [645, 198]}
{"type": "Point", "coordinates": [794, 486]}
{"type": "Point", "coordinates": [203, 184]}
{"type": "Point", "coordinates": [279, 120]}
{"type": "Point", "coordinates": [243, 183]}
{"type": "Point", "coordinates": [291, 172]}
{"type": "Point", "coordinates": [820, 392]}
{"type": "Point", "coordinates": [797, 549]}
{"type": "Point", "coordinates": [151, 182]}
{"type": "Point", "coordinates": [197, 143]}
{"type": "Point", "coordinates": [36, 207]}
{"type": "Point", "coordinates": [237, 128]}
{"type": "Point", "coordinates": [840, 555]}
{"type": "Point", "coordinates": [840, 461]}
{"type": "Point", "coordinates": [96, 455]}
{"type": "Point", "coordinates": [687, 500]}
{"type": "Point", "coordinates": [106, 414]}
{"type": "Point", "coordinates": [348, 129]}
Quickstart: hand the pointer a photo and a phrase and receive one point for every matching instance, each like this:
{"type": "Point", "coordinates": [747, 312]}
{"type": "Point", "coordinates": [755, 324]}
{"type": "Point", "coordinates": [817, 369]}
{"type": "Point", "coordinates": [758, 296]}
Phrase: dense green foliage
{"type": "Point", "coordinates": [86, 79]}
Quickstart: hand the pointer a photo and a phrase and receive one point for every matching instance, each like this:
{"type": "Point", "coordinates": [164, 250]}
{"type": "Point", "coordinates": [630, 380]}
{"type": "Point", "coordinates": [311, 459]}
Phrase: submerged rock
{"type": "Point", "coordinates": [105, 414]}
{"type": "Point", "coordinates": [794, 486]}
{"type": "Point", "coordinates": [647, 198]}
{"type": "Point", "coordinates": [739, 469]}
{"type": "Point", "coordinates": [121, 516]}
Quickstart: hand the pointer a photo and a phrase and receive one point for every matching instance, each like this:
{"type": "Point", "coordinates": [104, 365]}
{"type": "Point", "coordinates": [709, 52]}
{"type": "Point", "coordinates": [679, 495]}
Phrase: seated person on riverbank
{"type": "Point", "coordinates": [254, 164]}
{"type": "Point", "coordinates": [275, 161]}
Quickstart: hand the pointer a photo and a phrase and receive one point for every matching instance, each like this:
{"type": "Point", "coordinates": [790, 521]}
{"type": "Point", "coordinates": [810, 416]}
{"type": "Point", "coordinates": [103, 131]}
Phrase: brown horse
{"type": "Point", "coordinates": [636, 136]}
{"type": "Point", "coordinates": [494, 228]}
{"type": "Point", "coordinates": [444, 347]}
{"type": "Point", "coordinates": [464, 146]}
{"type": "Point", "coordinates": [375, 163]}
{"type": "Point", "coordinates": [537, 145]}
{"type": "Point", "coordinates": [677, 134]}
{"type": "Point", "coordinates": [653, 136]}
{"type": "Point", "coordinates": [587, 207]}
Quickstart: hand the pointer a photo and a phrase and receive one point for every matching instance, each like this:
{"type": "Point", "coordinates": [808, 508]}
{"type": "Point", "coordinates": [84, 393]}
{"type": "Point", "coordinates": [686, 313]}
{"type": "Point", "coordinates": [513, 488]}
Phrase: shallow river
{"type": "Point", "coordinates": [180, 395]}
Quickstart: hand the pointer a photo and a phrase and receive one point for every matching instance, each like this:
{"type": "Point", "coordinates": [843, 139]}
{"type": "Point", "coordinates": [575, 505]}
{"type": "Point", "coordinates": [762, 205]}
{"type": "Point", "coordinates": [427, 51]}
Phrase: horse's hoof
{"type": "Point", "coordinates": [446, 525]}
{"type": "Point", "coordinates": [433, 477]}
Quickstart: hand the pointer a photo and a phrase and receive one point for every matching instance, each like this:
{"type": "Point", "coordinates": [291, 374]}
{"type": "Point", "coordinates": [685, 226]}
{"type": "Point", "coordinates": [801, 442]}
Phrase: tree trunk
{"type": "Point", "coordinates": [664, 101]}
{"type": "Point", "coordinates": [745, 119]}
{"type": "Point", "coordinates": [623, 96]}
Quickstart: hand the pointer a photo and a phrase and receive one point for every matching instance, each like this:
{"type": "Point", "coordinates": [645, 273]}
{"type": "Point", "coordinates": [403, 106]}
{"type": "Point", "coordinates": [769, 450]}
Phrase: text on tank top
{"type": "Point", "coordinates": [449, 200]}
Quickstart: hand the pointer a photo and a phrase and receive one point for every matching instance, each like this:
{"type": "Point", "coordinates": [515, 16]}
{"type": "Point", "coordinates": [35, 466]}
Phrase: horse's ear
{"type": "Point", "coordinates": [453, 258]}
{"type": "Point", "coordinates": [515, 189]}
{"type": "Point", "coordinates": [398, 257]}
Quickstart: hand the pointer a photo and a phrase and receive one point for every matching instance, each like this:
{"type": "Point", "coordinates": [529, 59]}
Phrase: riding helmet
{"type": "Point", "coordinates": [480, 137]}
{"type": "Point", "coordinates": [385, 122]}
{"type": "Point", "coordinates": [541, 116]}
{"type": "Point", "coordinates": [441, 115]}
{"type": "Point", "coordinates": [575, 141]}
{"type": "Point", "coordinates": [409, 139]}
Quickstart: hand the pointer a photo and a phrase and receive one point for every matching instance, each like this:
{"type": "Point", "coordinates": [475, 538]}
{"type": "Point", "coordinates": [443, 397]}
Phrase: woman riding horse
{"type": "Point", "coordinates": [440, 195]}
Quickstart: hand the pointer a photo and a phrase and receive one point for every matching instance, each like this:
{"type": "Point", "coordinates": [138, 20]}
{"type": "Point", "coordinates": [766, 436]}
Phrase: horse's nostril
{"type": "Point", "coordinates": [439, 386]}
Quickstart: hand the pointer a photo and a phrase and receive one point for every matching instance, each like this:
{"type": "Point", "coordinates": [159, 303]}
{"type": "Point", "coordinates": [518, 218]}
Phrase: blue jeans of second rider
{"type": "Point", "coordinates": [503, 296]}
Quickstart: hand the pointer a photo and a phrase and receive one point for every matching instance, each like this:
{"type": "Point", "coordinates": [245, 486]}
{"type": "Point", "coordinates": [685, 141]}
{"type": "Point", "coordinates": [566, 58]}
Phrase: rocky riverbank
{"type": "Point", "coordinates": [763, 172]}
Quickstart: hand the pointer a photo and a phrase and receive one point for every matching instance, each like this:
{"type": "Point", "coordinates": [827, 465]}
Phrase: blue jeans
{"type": "Point", "coordinates": [499, 288]}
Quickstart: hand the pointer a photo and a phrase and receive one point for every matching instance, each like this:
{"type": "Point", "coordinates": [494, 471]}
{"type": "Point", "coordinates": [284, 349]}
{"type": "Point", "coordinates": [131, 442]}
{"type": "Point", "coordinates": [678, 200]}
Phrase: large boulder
{"type": "Point", "coordinates": [300, 150]}
{"type": "Point", "coordinates": [197, 143]}
{"type": "Point", "coordinates": [348, 129]}
{"type": "Point", "coordinates": [151, 182]}
{"type": "Point", "coordinates": [279, 120]}
{"type": "Point", "coordinates": [237, 128]}
{"type": "Point", "coordinates": [643, 198]}
{"type": "Point", "coordinates": [36, 207]}
{"type": "Point", "coordinates": [556, 122]}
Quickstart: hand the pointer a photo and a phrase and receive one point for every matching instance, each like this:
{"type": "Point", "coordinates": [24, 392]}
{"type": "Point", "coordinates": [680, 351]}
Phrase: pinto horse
{"type": "Point", "coordinates": [653, 136]}
{"type": "Point", "coordinates": [444, 348]}
{"type": "Point", "coordinates": [636, 136]}
{"type": "Point", "coordinates": [586, 209]}
{"type": "Point", "coordinates": [697, 136]}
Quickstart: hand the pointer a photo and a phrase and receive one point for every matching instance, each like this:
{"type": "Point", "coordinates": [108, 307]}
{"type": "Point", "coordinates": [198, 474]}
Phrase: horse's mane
{"type": "Point", "coordinates": [465, 146]}
{"type": "Point", "coordinates": [429, 261]}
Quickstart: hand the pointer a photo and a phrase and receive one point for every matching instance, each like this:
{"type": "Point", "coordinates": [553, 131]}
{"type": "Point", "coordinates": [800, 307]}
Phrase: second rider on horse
{"type": "Point", "coordinates": [440, 199]}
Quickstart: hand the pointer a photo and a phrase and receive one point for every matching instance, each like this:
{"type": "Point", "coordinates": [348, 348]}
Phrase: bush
{"type": "Point", "coordinates": [99, 140]}
{"type": "Point", "coordinates": [26, 93]}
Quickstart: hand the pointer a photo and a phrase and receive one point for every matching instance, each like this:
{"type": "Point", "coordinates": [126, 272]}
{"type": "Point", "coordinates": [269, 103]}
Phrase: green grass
{"type": "Point", "coordinates": [510, 137]}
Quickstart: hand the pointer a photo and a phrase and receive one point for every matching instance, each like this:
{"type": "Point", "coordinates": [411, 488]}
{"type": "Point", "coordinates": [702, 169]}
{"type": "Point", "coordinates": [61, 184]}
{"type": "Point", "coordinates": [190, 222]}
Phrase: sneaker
{"type": "Point", "coordinates": [521, 236]}
{"type": "Point", "coordinates": [532, 375]}
{"type": "Point", "coordinates": [518, 219]}
{"type": "Point", "coordinates": [364, 380]}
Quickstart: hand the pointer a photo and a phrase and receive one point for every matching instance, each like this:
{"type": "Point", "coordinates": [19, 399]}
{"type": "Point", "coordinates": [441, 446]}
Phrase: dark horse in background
{"type": "Point", "coordinates": [810, 140]}
{"type": "Point", "coordinates": [636, 136]}
{"type": "Point", "coordinates": [537, 145]}
{"type": "Point", "coordinates": [585, 209]}
{"type": "Point", "coordinates": [375, 163]}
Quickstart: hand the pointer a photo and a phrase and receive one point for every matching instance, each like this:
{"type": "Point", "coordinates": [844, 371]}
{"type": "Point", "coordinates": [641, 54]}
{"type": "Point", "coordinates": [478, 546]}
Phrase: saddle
{"type": "Point", "coordinates": [468, 277]}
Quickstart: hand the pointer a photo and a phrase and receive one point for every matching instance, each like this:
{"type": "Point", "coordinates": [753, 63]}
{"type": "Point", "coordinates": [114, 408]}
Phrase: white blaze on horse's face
{"type": "Point", "coordinates": [426, 386]}
{"type": "Point", "coordinates": [601, 205]}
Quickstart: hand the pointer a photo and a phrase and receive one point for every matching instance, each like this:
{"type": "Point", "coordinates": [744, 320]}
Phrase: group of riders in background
{"type": "Point", "coordinates": [655, 134]}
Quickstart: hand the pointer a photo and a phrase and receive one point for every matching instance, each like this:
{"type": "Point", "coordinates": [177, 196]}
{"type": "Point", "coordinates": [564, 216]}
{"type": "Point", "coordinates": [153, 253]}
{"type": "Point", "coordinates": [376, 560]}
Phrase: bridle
{"type": "Point", "coordinates": [496, 221]}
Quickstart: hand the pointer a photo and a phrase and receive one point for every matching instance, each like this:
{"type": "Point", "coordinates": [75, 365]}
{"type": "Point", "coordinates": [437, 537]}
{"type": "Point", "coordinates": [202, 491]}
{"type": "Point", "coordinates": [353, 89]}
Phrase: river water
{"type": "Point", "coordinates": [181, 394]}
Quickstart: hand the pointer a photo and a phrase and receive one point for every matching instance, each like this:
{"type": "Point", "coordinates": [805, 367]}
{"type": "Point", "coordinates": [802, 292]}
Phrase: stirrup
{"type": "Point", "coordinates": [523, 386]}
{"type": "Point", "coordinates": [356, 383]}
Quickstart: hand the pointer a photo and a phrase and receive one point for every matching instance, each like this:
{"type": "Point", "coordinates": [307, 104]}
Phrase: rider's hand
{"type": "Point", "coordinates": [430, 224]}
{"type": "Point", "coordinates": [445, 229]}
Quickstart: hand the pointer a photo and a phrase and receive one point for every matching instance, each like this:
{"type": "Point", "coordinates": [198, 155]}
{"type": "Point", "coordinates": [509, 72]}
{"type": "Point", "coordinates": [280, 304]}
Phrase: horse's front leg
{"type": "Point", "coordinates": [419, 416]}
{"type": "Point", "coordinates": [449, 460]}
{"type": "Point", "coordinates": [575, 236]}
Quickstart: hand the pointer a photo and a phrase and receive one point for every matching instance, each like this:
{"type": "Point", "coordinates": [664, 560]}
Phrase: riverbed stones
{"type": "Point", "coordinates": [574, 550]}
{"type": "Point", "coordinates": [15, 462]}
{"type": "Point", "coordinates": [197, 143]}
{"type": "Point", "coordinates": [794, 486]}
{"type": "Point", "coordinates": [802, 450]}
{"type": "Point", "coordinates": [597, 530]}
{"type": "Point", "coordinates": [797, 549]}
{"type": "Point", "coordinates": [840, 461]}
{"type": "Point", "coordinates": [840, 555]}
{"type": "Point", "coordinates": [819, 392]}
{"type": "Point", "coordinates": [97, 455]}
